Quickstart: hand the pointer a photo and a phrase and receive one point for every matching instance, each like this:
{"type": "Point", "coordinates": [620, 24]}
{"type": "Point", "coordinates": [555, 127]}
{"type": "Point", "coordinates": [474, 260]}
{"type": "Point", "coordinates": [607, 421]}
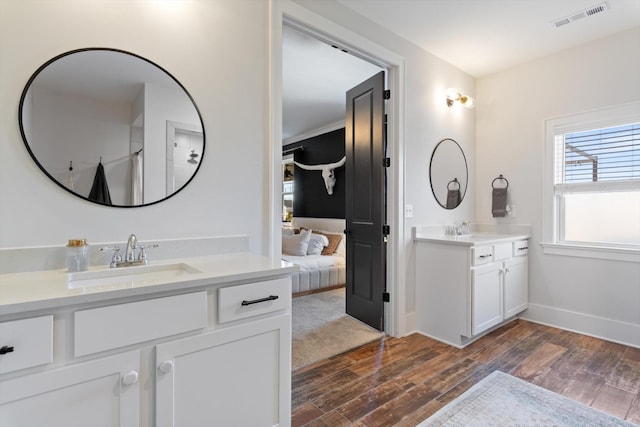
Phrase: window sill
{"type": "Point", "coordinates": [598, 252]}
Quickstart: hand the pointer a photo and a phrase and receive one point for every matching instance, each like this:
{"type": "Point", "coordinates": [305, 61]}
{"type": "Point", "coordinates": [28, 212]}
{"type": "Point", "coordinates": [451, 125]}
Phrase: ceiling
{"type": "Point", "coordinates": [480, 37]}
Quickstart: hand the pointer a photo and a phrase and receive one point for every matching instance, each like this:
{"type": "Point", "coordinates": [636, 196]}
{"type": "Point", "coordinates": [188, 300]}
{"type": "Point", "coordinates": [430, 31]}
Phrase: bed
{"type": "Point", "coordinates": [317, 272]}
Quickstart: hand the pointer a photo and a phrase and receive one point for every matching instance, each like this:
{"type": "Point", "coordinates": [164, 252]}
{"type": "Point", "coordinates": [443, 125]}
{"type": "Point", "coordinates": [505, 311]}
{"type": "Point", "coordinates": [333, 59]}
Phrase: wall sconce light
{"type": "Point", "coordinates": [454, 96]}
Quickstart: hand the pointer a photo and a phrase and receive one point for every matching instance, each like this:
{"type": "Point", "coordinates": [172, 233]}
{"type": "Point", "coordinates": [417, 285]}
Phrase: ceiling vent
{"type": "Point", "coordinates": [602, 7]}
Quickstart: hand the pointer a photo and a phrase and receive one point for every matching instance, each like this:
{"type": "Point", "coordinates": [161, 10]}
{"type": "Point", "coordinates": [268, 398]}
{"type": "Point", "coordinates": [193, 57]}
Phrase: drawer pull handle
{"type": "Point", "coordinates": [256, 301]}
{"type": "Point", "coordinates": [6, 349]}
{"type": "Point", "coordinates": [485, 256]}
{"type": "Point", "coordinates": [524, 248]}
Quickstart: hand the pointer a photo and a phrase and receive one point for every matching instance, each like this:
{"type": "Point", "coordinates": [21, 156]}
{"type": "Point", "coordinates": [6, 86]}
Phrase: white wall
{"type": "Point", "coordinates": [597, 297]}
{"type": "Point", "coordinates": [85, 130]}
{"type": "Point", "coordinates": [216, 49]}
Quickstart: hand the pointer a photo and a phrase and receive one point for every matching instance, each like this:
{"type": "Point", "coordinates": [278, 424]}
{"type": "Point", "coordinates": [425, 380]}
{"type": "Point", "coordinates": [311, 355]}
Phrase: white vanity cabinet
{"type": "Point", "coordinates": [201, 354]}
{"type": "Point", "coordinates": [232, 377]}
{"type": "Point", "coordinates": [238, 375]}
{"type": "Point", "coordinates": [466, 287]}
{"type": "Point", "coordinates": [102, 393]}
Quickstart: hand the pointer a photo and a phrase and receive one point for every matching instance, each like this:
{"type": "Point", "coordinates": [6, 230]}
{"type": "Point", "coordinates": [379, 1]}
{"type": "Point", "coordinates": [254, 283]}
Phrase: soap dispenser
{"type": "Point", "coordinates": [77, 255]}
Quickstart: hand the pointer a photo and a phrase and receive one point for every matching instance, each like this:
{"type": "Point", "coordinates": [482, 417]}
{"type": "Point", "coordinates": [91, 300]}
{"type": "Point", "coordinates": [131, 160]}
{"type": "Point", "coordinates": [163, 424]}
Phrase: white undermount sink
{"type": "Point", "coordinates": [131, 276]}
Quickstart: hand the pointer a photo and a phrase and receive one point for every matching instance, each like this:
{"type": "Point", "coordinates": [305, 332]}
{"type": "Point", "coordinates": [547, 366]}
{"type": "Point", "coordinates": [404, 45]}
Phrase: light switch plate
{"type": "Point", "coordinates": [408, 211]}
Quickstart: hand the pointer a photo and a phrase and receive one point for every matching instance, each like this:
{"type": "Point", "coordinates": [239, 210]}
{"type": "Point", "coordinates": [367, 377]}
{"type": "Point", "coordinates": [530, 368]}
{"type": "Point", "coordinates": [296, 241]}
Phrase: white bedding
{"type": "Point", "coordinates": [318, 271]}
{"type": "Point", "coordinates": [315, 262]}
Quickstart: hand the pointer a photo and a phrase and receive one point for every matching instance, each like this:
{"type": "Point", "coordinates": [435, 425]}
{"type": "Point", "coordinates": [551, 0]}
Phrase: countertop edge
{"type": "Point", "coordinates": [185, 284]}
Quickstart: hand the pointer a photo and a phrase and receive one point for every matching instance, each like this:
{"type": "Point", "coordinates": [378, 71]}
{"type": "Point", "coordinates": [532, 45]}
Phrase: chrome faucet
{"type": "Point", "coordinates": [130, 258]}
{"type": "Point", "coordinates": [132, 245]}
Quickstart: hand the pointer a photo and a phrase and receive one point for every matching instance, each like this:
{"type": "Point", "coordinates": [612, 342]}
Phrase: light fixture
{"type": "Point", "coordinates": [192, 157]}
{"type": "Point", "coordinates": [453, 96]}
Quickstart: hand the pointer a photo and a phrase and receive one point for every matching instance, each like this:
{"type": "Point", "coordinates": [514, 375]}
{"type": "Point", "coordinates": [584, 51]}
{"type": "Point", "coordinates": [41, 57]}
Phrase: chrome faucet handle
{"type": "Point", "coordinates": [116, 258]}
{"type": "Point", "coordinates": [142, 254]}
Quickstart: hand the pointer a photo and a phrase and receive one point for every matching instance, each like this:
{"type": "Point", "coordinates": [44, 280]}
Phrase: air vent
{"type": "Point", "coordinates": [602, 7]}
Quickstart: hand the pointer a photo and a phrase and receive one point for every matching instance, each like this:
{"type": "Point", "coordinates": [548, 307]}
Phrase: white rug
{"type": "Point", "coordinates": [321, 329]}
{"type": "Point", "coordinates": [503, 400]}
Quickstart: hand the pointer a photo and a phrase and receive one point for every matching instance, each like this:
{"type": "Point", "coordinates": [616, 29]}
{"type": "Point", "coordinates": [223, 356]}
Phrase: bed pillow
{"type": "Point", "coordinates": [334, 241]}
{"type": "Point", "coordinates": [296, 245]}
{"type": "Point", "coordinates": [317, 243]}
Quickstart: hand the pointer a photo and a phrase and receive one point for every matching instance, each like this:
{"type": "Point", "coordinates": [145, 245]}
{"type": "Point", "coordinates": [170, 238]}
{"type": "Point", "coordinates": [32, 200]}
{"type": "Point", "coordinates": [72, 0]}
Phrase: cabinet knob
{"type": "Point", "coordinates": [166, 366]}
{"type": "Point", "coordinates": [130, 378]}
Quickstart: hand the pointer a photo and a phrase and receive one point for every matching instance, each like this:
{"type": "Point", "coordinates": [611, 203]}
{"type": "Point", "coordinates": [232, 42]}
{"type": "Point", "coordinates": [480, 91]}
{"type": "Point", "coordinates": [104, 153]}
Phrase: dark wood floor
{"type": "Point", "coordinates": [402, 381]}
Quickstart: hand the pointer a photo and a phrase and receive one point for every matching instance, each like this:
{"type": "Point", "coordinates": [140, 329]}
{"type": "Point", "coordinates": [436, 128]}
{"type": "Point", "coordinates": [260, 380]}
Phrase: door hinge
{"type": "Point", "coordinates": [386, 230]}
{"type": "Point", "coordinates": [387, 94]}
{"type": "Point", "coordinates": [386, 162]}
{"type": "Point", "coordinates": [386, 297]}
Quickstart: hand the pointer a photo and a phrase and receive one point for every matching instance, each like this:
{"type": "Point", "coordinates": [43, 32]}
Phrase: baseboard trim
{"type": "Point", "coordinates": [586, 324]}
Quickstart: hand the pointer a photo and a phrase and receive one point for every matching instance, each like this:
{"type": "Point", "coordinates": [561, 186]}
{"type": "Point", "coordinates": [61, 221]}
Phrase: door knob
{"type": "Point", "coordinates": [130, 378]}
{"type": "Point", "coordinates": [166, 366]}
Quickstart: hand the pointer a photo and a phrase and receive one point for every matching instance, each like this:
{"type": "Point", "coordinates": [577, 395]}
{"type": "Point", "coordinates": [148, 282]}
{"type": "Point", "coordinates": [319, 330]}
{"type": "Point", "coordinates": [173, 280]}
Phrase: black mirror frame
{"type": "Point", "coordinates": [466, 168]}
{"type": "Point", "coordinates": [106, 49]}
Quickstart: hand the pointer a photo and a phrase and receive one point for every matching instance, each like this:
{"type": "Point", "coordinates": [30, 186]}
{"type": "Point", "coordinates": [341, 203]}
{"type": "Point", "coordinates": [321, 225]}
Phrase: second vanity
{"type": "Point", "coordinates": [468, 285]}
{"type": "Point", "coordinates": [199, 341]}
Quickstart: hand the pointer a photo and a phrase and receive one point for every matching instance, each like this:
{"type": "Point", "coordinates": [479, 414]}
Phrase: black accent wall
{"type": "Point", "coordinates": [310, 197]}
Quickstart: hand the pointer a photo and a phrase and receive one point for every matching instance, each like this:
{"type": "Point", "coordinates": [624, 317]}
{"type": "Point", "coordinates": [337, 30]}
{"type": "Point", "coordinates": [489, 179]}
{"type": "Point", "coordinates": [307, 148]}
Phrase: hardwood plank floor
{"type": "Point", "coordinates": [402, 381]}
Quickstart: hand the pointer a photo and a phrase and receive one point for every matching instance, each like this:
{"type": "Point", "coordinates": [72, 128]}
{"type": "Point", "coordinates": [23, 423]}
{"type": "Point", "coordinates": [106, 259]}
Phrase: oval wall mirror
{"type": "Point", "coordinates": [111, 127]}
{"type": "Point", "coordinates": [448, 173]}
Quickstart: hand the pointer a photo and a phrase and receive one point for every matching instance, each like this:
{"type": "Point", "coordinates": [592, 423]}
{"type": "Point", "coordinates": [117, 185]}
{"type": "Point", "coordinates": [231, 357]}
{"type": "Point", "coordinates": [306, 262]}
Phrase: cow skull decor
{"type": "Point", "coordinates": [327, 172]}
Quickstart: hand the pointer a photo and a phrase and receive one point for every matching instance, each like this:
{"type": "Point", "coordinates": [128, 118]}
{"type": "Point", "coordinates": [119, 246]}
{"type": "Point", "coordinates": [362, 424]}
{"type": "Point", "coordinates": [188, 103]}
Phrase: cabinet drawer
{"type": "Point", "coordinates": [242, 301]}
{"type": "Point", "coordinates": [501, 251]}
{"type": "Point", "coordinates": [105, 328]}
{"type": "Point", "coordinates": [520, 248]}
{"type": "Point", "coordinates": [32, 342]}
{"type": "Point", "coordinates": [482, 254]}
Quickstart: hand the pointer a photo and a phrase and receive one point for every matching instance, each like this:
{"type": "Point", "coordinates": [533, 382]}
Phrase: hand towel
{"type": "Point", "coordinates": [453, 198]}
{"type": "Point", "coordinates": [100, 190]}
{"type": "Point", "coordinates": [499, 202]}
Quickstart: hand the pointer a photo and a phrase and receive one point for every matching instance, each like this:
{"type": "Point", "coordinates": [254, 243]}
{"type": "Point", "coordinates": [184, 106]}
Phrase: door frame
{"type": "Point", "coordinates": [286, 12]}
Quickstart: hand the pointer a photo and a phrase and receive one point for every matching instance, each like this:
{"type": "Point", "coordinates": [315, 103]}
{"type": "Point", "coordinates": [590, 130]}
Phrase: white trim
{"type": "Point", "coordinates": [324, 29]}
{"type": "Point", "coordinates": [551, 224]}
{"type": "Point", "coordinates": [315, 132]}
{"type": "Point", "coordinates": [590, 251]}
{"type": "Point", "coordinates": [586, 324]}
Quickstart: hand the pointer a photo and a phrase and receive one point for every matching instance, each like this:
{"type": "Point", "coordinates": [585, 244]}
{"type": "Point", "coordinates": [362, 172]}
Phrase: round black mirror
{"type": "Point", "coordinates": [448, 173]}
{"type": "Point", "coordinates": [111, 127]}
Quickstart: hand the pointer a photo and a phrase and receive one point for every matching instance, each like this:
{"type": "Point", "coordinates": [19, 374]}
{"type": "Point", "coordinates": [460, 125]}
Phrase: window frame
{"type": "Point", "coordinates": [552, 220]}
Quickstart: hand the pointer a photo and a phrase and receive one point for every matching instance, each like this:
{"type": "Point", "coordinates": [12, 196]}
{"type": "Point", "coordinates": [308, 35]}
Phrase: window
{"type": "Point", "coordinates": [592, 195]}
{"type": "Point", "coordinates": [287, 192]}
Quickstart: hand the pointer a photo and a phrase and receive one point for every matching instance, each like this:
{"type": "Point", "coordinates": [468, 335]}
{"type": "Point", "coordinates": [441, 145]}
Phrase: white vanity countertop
{"type": "Point", "coordinates": [39, 290]}
{"type": "Point", "coordinates": [476, 238]}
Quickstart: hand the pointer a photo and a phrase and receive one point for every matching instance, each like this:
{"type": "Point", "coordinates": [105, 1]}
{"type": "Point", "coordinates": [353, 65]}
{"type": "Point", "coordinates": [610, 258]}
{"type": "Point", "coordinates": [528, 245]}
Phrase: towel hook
{"type": "Point", "coordinates": [453, 181]}
{"type": "Point", "coordinates": [500, 178]}
{"type": "Point", "coordinates": [70, 165]}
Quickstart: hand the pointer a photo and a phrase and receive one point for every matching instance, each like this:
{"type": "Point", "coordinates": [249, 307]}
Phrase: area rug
{"type": "Point", "coordinates": [321, 329]}
{"type": "Point", "coordinates": [503, 400]}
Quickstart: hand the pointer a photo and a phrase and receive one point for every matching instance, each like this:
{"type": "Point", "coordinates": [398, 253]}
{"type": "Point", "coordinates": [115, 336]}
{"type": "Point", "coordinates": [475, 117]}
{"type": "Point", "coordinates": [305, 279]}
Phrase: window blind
{"type": "Point", "coordinates": [601, 155]}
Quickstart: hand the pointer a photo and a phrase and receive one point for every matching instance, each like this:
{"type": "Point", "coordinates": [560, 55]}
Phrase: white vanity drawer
{"type": "Point", "coordinates": [252, 299]}
{"type": "Point", "coordinates": [482, 254]}
{"type": "Point", "coordinates": [114, 326]}
{"type": "Point", "coordinates": [31, 340]}
{"type": "Point", "coordinates": [501, 251]}
{"type": "Point", "coordinates": [520, 248]}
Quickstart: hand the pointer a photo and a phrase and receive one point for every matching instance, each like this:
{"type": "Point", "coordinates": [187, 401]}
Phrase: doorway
{"type": "Point", "coordinates": [296, 16]}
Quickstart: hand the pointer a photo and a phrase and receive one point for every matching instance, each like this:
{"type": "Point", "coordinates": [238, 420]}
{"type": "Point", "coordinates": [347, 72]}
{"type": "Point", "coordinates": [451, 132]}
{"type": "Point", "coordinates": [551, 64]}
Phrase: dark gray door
{"type": "Point", "coordinates": [365, 201]}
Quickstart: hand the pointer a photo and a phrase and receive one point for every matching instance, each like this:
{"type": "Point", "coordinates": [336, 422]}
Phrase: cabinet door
{"type": "Point", "coordinates": [516, 289]}
{"type": "Point", "coordinates": [100, 393]}
{"type": "Point", "coordinates": [486, 297]}
{"type": "Point", "coordinates": [237, 376]}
